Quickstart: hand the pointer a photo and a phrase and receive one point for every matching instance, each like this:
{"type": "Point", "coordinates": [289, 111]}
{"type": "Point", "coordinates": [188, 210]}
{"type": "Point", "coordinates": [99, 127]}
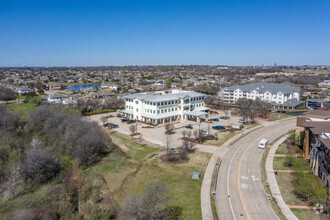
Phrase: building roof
{"type": "Point", "coordinates": [266, 87]}
{"type": "Point", "coordinates": [317, 127]}
{"type": "Point", "coordinates": [160, 96]}
{"type": "Point", "coordinates": [126, 111]}
{"type": "Point", "coordinates": [319, 113]}
{"type": "Point", "coordinates": [156, 117]}
{"type": "Point", "coordinates": [290, 103]}
{"type": "Point", "coordinates": [314, 100]}
{"type": "Point", "coordinates": [326, 142]}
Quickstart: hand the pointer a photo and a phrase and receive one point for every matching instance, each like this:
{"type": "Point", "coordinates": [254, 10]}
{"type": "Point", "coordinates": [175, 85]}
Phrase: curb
{"type": "Point", "coordinates": [274, 188]}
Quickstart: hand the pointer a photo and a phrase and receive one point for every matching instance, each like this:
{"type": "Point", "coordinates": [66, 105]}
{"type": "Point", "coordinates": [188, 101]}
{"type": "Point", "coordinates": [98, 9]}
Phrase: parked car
{"type": "Point", "coordinates": [215, 119]}
{"type": "Point", "coordinates": [105, 124]}
{"type": "Point", "coordinates": [204, 132]}
{"type": "Point", "coordinates": [137, 123]}
{"type": "Point", "coordinates": [213, 112]}
{"type": "Point", "coordinates": [219, 127]}
{"type": "Point", "coordinates": [123, 120]}
{"type": "Point", "coordinates": [130, 121]}
{"type": "Point", "coordinates": [112, 125]}
{"type": "Point", "coordinates": [224, 117]}
{"type": "Point", "coordinates": [189, 127]}
{"type": "Point", "coordinates": [241, 120]}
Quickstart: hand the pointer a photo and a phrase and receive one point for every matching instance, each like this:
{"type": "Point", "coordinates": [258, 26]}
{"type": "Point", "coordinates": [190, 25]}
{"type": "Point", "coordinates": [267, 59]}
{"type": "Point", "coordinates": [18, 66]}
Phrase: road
{"type": "Point", "coordinates": [240, 193]}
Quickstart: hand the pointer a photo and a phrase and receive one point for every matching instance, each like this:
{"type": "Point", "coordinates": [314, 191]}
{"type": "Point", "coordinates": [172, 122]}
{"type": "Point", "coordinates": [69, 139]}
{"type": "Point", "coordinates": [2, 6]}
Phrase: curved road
{"type": "Point", "coordinates": [240, 193]}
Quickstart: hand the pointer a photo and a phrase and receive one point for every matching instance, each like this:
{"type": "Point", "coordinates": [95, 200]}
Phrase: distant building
{"type": "Point", "coordinates": [110, 86]}
{"type": "Point", "coordinates": [55, 98]}
{"type": "Point", "coordinates": [24, 90]}
{"type": "Point", "coordinates": [165, 106]}
{"type": "Point", "coordinates": [324, 84]}
{"type": "Point", "coordinates": [279, 95]}
{"type": "Point", "coordinates": [55, 87]}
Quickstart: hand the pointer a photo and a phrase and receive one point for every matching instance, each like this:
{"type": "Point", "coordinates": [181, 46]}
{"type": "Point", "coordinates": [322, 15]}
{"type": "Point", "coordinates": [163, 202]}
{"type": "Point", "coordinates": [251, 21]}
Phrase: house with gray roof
{"type": "Point", "coordinates": [279, 95]}
{"type": "Point", "coordinates": [165, 106]}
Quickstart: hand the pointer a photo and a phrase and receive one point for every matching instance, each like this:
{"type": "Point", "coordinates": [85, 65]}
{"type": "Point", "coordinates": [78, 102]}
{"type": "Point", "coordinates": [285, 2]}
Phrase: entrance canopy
{"type": "Point", "coordinates": [196, 113]}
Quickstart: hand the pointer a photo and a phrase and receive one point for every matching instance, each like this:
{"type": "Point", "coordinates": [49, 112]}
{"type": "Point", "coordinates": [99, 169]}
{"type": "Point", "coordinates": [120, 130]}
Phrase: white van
{"type": "Point", "coordinates": [263, 143]}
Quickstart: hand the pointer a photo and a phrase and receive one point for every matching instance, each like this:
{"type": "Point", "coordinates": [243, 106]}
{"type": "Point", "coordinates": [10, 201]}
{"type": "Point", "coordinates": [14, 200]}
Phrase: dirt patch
{"type": "Point", "coordinates": [176, 159]}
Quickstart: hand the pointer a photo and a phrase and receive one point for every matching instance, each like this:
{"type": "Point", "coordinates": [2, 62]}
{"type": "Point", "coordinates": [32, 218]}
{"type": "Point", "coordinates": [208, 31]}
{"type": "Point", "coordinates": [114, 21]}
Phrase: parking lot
{"type": "Point", "coordinates": [157, 134]}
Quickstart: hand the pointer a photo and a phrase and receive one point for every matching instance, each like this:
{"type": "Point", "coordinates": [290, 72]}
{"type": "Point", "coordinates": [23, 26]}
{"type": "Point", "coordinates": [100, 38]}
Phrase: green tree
{"type": "Point", "coordinates": [289, 159]}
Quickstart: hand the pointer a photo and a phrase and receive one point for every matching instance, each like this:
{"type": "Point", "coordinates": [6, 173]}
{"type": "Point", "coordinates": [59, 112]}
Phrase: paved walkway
{"type": "Point", "coordinates": [206, 184]}
{"type": "Point", "coordinates": [273, 183]}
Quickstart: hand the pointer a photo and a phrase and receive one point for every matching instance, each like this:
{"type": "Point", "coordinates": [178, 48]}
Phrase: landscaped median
{"type": "Point", "coordinates": [294, 188]}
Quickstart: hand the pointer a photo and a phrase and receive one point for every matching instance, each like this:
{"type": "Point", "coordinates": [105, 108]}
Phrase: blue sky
{"type": "Point", "coordinates": [159, 32]}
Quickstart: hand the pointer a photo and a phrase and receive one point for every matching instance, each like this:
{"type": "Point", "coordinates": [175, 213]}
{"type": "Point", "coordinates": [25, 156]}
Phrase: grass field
{"type": "Point", "coordinates": [278, 164]}
{"type": "Point", "coordinates": [22, 109]}
{"type": "Point", "coordinates": [282, 149]}
{"type": "Point", "coordinates": [143, 167]}
{"type": "Point", "coordinates": [305, 214]}
{"type": "Point", "coordinates": [277, 116]}
{"type": "Point", "coordinates": [284, 181]}
{"type": "Point", "coordinates": [222, 138]}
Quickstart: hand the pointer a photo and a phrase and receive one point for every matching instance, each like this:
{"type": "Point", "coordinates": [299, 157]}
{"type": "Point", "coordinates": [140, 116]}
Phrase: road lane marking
{"type": "Point", "coordinates": [245, 186]}
{"type": "Point", "coordinates": [239, 168]}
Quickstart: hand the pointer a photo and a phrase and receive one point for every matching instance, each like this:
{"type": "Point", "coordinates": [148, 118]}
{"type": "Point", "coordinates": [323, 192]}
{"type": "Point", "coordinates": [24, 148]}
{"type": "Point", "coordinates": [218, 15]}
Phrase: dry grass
{"type": "Point", "coordinates": [305, 214]}
{"type": "Point", "coordinates": [143, 166]}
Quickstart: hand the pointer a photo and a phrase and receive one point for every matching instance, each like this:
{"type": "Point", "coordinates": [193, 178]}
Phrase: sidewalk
{"type": "Point", "coordinates": [206, 184]}
{"type": "Point", "coordinates": [273, 183]}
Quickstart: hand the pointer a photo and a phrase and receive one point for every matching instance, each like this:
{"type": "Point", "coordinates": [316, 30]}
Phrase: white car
{"type": "Point", "coordinates": [263, 143]}
{"type": "Point", "coordinates": [241, 120]}
{"type": "Point", "coordinates": [204, 132]}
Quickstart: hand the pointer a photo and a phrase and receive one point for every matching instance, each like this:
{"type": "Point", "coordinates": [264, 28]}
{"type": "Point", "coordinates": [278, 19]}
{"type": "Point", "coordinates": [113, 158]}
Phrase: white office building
{"type": "Point", "coordinates": [165, 106]}
{"type": "Point", "coordinates": [279, 95]}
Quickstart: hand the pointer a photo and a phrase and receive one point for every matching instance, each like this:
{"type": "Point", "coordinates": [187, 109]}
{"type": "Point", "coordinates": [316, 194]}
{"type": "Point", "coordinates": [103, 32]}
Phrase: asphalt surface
{"type": "Point", "coordinates": [240, 193]}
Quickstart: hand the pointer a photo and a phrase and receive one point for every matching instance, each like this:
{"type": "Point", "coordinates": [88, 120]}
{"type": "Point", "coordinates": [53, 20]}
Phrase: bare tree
{"type": "Point", "coordinates": [132, 129]}
{"type": "Point", "coordinates": [6, 94]}
{"type": "Point", "coordinates": [39, 166]}
{"type": "Point", "coordinates": [196, 134]}
{"type": "Point", "coordinates": [188, 145]}
{"type": "Point", "coordinates": [169, 128]}
{"type": "Point", "coordinates": [183, 152]}
{"type": "Point", "coordinates": [103, 119]}
{"type": "Point", "coordinates": [14, 177]}
{"type": "Point", "coordinates": [153, 203]}
{"type": "Point", "coordinates": [189, 134]}
{"type": "Point", "coordinates": [169, 152]}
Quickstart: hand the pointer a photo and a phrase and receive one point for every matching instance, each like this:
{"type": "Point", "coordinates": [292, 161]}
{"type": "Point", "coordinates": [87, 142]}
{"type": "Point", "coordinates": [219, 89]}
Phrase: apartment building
{"type": "Point", "coordinates": [317, 148]}
{"type": "Point", "coordinates": [165, 106]}
{"type": "Point", "coordinates": [279, 95]}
